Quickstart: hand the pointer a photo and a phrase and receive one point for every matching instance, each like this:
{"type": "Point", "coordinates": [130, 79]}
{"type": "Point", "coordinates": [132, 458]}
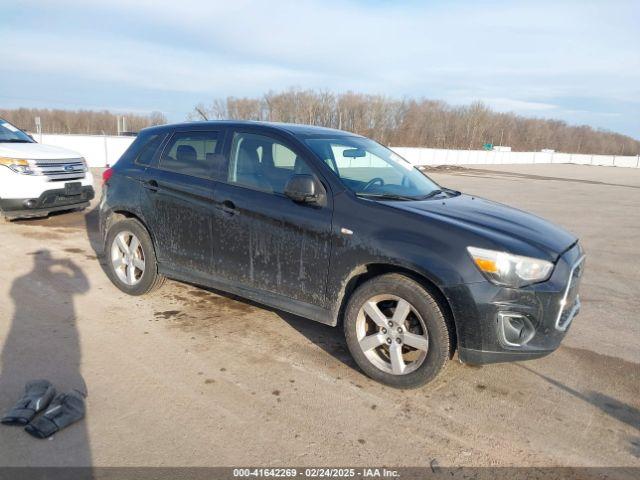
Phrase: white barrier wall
{"type": "Point", "coordinates": [103, 150]}
{"type": "Point", "coordinates": [435, 156]}
{"type": "Point", "coordinates": [98, 150]}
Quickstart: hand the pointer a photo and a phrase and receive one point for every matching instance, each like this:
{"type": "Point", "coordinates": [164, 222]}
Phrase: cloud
{"type": "Point", "coordinates": [512, 105]}
{"type": "Point", "coordinates": [153, 66]}
{"type": "Point", "coordinates": [520, 56]}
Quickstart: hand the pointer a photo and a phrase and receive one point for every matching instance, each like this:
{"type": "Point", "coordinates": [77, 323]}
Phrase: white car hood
{"type": "Point", "coordinates": [35, 151]}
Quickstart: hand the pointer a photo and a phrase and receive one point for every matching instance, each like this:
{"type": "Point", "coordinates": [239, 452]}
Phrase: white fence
{"type": "Point", "coordinates": [436, 156]}
{"type": "Point", "coordinates": [103, 150]}
{"type": "Point", "coordinates": [98, 150]}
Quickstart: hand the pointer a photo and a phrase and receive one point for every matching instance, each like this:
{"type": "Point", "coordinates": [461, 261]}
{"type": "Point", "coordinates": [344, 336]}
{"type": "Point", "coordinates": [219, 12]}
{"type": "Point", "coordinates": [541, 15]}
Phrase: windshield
{"type": "Point", "coordinates": [371, 170]}
{"type": "Point", "coordinates": [11, 134]}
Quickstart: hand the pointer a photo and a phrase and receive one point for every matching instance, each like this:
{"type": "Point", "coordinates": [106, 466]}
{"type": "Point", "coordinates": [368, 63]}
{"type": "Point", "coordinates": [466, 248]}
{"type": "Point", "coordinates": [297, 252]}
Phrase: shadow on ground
{"type": "Point", "coordinates": [610, 406]}
{"type": "Point", "coordinates": [43, 343]}
{"type": "Point", "coordinates": [328, 338]}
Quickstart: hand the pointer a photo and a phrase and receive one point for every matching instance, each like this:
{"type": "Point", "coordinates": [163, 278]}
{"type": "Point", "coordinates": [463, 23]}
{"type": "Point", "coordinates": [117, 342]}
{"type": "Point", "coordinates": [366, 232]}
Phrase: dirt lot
{"type": "Point", "coordinates": [187, 377]}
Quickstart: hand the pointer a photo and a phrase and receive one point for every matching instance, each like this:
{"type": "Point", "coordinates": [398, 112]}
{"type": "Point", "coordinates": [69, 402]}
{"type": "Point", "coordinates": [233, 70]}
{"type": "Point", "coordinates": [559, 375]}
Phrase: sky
{"type": "Point", "coordinates": [578, 61]}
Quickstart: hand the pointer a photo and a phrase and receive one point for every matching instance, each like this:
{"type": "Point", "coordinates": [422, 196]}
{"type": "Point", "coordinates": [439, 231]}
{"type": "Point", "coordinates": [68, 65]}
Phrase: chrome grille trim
{"type": "Point", "coordinates": [560, 324]}
{"type": "Point", "coordinates": [59, 169]}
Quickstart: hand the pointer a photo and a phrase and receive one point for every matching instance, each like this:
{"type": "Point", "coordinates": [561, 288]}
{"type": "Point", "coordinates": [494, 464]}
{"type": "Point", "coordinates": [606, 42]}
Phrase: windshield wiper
{"type": "Point", "coordinates": [432, 193]}
{"type": "Point", "coordinates": [448, 191]}
{"type": "Point", "coordinates": [393, 196]}
{"type": "Point", "coordinates": [385, 196]}
{"type": "Point", "coordinates": [452, 192]}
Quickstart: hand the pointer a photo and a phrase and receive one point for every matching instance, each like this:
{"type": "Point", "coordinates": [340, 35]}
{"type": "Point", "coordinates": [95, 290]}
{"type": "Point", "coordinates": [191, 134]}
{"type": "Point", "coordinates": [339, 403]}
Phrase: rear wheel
{"type": "Point", "coordinates": [396, 331]}
{"type": "Point", "coordinates": [130, 258]}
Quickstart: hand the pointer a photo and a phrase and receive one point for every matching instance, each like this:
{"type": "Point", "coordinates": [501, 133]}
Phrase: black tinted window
{"type": "Point", "coordinates": [191, 153]}
{"type": "Point", "coordinates": [148, 150]}
{"type": "Point", "coordinates": [9, 133]}
{"type": "Point", "coordinates": [263, 163]}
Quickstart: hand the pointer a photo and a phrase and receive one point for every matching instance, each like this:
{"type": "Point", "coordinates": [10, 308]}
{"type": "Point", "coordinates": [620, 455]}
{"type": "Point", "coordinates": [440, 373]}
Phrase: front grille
{"type": "Point", "coordinates": [570, 304]}
{"type": "Point", "coordinates": [63, 169]}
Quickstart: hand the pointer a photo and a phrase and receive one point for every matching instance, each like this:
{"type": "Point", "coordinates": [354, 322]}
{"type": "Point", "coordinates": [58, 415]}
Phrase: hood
{"type": "Point", "coordinates": [515, 231]}
{"type": "Point", "coordinates": [35, 151]}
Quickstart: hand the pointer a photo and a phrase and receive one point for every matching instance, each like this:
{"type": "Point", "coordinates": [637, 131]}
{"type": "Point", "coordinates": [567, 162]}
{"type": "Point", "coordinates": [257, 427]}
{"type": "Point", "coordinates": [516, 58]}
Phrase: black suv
{"type": "Point", "coordinates": [335, 227]}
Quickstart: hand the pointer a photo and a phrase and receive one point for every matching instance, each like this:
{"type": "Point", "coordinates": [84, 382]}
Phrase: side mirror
{"type": "Point", "coordinates": [302, 188]}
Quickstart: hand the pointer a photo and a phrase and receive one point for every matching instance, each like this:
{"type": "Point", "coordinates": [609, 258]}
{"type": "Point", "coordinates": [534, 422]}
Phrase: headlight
{"type": "Point", "coordinates": [510, 270]}
{"type": "Point", "coordinates": [18, 165]}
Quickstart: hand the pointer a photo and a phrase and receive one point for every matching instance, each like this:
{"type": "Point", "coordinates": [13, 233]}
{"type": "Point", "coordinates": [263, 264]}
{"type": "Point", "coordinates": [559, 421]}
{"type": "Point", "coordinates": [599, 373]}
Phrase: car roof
{"type": "Point", "coordinates": [295, 129]}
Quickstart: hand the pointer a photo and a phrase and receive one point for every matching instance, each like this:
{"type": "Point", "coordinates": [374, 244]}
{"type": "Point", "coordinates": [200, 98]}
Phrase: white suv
{"type": "Point", "coordinates": [36, 180]}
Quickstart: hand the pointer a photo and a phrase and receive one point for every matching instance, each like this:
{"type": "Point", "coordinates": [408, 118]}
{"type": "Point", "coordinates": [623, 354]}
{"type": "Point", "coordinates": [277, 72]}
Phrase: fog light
{"type": "Point", "coordinates": [30, 203]}
{"type": "Point", "coordinates": [515, 329]}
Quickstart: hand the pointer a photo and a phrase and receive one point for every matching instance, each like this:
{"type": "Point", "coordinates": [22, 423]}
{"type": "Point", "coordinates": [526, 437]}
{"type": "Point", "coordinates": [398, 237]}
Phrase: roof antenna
{"type": "Point", "coordinates": [201, 113]}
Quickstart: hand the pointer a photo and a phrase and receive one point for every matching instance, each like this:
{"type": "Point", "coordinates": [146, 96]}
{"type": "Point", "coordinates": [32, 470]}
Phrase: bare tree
{"type": "Point", "coordinates": [79, 121]}
{"type": "Point", "coordinates": [418, 122]}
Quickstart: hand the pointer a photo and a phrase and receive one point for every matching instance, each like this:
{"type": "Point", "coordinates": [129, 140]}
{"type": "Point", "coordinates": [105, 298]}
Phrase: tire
{"type": "Point", "coordinates": [376, 345]}
{"type": "Point", "coordinates": [137, 273]}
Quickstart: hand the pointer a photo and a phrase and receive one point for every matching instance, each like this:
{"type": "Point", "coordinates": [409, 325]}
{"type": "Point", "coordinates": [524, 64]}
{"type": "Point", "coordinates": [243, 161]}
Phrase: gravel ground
{"type": "Point", "coordinates": [190, 377]}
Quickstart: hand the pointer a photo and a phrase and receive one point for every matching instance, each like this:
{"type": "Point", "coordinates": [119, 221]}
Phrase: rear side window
{"type": "Point", "coordinates": [191, 153]}
{"type": "Point", "coordinates": [148, 150]}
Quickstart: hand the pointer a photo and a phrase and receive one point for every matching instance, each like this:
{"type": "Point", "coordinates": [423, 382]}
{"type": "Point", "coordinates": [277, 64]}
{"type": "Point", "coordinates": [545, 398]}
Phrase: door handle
{"type": "Point", "coordinates": [151, 185]}
{"type": "Point", "coordinates": [228, 207]}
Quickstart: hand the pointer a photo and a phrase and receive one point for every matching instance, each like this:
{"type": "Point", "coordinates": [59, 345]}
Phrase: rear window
{"type": "Point", "coordinates": [148, 149]}
{"type": "Point", "coordinates": [191, 153]}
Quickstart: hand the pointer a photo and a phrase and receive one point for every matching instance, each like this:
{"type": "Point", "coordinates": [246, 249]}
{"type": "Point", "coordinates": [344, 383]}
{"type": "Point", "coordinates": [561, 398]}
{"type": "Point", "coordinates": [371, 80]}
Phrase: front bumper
{"type": "Point", "coordinates": [485, 314]}
{"type": "Point", "coordinates": [49, 201]}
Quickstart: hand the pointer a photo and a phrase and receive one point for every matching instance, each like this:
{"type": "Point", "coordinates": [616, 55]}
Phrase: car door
{"type": "Point", "coordinates": [266, 241]}
{"type": "Point", "coordinates": [180, 188]}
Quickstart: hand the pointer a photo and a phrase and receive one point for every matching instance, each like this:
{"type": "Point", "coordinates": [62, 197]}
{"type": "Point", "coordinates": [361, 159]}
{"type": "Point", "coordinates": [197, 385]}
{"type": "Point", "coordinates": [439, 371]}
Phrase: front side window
{"type": "Point", "coordinates": [369, 169]}
{"type": "Point", "coordinates": [11, 134]}
{"type": "Point", "coordinates": [191, 153]}
{"type": "Point", "coordinates": [263, 163]}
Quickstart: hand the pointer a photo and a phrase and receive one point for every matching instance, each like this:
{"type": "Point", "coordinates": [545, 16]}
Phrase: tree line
{"type": "Point", "coordinates": [87, 122]}
{"type": "Point", "coordinates": [418, 122]}
{"type": "Point", "coordinates": [406, 122]}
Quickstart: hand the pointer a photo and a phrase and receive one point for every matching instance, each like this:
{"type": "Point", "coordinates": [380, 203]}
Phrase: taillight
{"type": "Point", "coordinates": [106, 175]}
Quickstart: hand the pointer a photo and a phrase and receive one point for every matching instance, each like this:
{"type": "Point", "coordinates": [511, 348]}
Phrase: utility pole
{"type": "Point", "coordinates": [39, 128]}
{"type": "Point", "coordinates": [106, 150]}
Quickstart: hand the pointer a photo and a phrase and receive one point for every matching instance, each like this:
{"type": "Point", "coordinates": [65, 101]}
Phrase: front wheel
{"type": "Point", "coordinates": [396, 331]}
{"type": "Point", "coordinates": [131, 259]}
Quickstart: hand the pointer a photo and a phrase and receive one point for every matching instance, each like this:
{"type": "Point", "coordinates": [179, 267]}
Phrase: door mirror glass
{"type": "Point", "coordinates": [302, 188]}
